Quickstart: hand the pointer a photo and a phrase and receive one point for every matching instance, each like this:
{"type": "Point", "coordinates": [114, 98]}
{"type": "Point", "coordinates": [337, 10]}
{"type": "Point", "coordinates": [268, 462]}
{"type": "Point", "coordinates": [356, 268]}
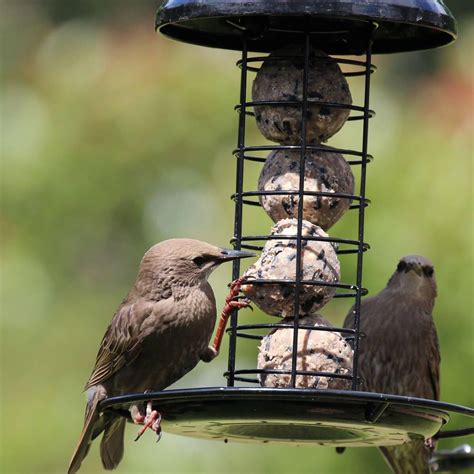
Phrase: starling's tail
{"type": "Point", "coordinates": [111, 446]}
{"type": "Point", "coordinates": [410, 458]}
{"type": "Point", "coordinates": [93, 426]}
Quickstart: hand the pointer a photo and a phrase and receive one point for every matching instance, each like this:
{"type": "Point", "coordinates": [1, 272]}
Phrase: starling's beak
{"type": "Point", "coordinates": [415, 267]}
{"type": "Point", "coordinates": [229, 254]}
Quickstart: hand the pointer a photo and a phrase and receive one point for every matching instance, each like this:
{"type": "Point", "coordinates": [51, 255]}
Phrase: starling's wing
{"type": "Point", "coordinates": [369, 354]}
{"type": "Point", "coordinates": [122, 340]}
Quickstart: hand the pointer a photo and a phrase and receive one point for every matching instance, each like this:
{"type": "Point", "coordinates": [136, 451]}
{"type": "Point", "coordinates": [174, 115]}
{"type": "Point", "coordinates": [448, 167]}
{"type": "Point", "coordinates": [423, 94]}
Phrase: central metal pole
{"type": "Point", "coordinates": [299, 240]}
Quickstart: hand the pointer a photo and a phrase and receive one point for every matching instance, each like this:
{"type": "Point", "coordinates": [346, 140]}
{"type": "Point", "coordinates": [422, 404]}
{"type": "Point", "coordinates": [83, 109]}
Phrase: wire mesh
{"type": "Point", "coordinates": [243, 198]}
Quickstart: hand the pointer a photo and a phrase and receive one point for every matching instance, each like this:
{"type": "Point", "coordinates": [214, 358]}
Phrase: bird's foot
{"type": "Point", "coordinates": [151, 420]}
{"type": "Point", "coordinates": [235, 304]}
{"type": "Point", "coordinates": [231, 303]}
{"type": "Point", "coordinates": [235, 287]}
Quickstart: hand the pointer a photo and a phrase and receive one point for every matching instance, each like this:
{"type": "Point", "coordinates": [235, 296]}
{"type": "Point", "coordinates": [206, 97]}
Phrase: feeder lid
{"type": "Point", "coordinates": [403, 25]}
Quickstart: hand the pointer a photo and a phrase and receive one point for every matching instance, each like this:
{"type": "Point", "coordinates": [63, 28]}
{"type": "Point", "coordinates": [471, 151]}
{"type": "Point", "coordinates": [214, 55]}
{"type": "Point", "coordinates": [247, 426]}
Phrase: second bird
{"type": "Point", "coordinates": [159, 333]}
{"type": "Point", "coordinates": [400, 354]}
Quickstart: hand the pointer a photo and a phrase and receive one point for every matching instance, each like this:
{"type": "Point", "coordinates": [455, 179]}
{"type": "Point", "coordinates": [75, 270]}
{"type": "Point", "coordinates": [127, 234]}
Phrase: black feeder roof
{"type": "Point", "coordinates": [402, 25]}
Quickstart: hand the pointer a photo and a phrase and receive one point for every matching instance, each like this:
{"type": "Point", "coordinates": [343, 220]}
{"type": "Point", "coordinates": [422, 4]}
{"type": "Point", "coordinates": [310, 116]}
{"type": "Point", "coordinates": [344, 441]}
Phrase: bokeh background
{"type": "Point", "coordinates": [114, 138]}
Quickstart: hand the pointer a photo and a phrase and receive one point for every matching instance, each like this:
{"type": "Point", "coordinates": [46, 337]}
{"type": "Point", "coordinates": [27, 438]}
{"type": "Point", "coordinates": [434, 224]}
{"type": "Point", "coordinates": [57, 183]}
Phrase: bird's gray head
{"type": "Point", "coordinates": [415, 276]}
{"type": "Point", "coordinates": [187, 261]}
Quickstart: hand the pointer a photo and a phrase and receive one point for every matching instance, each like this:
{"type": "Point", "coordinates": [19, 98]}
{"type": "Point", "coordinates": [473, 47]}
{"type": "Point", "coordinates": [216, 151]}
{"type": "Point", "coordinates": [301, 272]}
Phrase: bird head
{"type": "Point", "coordinates": [415, 276]}
{"type": "Point", "coordinates": [187, 260]}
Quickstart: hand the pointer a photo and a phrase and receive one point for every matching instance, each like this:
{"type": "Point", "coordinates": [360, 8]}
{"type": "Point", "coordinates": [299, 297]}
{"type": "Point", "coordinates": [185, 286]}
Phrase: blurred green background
{"type": "Point", "coordinates": [114, 138]}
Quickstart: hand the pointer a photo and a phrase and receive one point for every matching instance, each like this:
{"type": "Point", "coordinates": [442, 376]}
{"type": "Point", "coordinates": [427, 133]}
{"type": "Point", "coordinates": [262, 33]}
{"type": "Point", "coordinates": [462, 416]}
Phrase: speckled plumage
{"type": "Point", "coordinates": [325, 171]}
{"type": "Point", "coordinates": [399, 353]}
{"type": "Point", "coordinates": [278, 261]}
{"type": "Point", "coordinates": [159, 333]}
{"type": "Point", "coordinates": [283, 81]}
{"type": "Point", "coordinates": [318, 351]}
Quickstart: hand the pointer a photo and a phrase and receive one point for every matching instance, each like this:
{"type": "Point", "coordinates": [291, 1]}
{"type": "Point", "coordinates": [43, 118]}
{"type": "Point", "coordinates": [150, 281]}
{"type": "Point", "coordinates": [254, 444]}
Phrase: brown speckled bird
{"type": "Point", "coordinates": [158, 334]}
{"type": "Point", "coordinates": [400, 353]}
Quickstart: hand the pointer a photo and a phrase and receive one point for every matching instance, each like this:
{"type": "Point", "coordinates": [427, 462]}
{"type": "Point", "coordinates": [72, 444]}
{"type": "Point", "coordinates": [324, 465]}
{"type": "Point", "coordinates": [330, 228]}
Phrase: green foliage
{"type": "Point", "coordinates": [114, 139]}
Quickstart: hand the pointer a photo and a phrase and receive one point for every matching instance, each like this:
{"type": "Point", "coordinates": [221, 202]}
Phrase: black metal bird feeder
{"type": "Point", "coordinates": [294, 415]}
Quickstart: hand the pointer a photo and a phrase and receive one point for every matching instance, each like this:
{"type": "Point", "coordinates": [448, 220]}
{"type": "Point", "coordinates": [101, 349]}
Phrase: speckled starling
{"type": "Point", "coordinates": [399, 353]}
{"type": "Point", "coordinates": [159, 333]}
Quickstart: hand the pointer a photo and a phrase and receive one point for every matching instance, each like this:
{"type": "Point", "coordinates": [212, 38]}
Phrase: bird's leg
{"type": "Point", "coordinates": [230, 304]}
{"type": "Point", "coordinates": [151, 420]}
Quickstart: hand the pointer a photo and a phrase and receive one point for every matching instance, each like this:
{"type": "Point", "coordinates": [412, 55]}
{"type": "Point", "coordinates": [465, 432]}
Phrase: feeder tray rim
{"type": "Point", "coordinates": [179, 405]}
{"type": "Point", "coordinates": [285, 393]}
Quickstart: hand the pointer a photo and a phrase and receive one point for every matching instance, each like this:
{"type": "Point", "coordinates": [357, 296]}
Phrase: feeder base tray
{"type": "Point", "coordinates": [294, 416]}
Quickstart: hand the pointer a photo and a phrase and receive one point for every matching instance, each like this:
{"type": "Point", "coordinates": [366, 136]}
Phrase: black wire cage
{"type": "Point", "coordinates": [295, 415]}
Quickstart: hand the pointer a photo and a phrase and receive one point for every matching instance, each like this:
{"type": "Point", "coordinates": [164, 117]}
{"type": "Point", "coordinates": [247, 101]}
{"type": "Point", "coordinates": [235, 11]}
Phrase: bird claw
{"type": "Point", "coordinates": [234, 289]}
{"type": "Point", "coordinates": [231, 303]}
{"type": "Point", "coordinates": [151, 420]}
{"type": "Point", "coordinates": [235, 285]}
{"type": "Point", "coordinates": [238, 304]}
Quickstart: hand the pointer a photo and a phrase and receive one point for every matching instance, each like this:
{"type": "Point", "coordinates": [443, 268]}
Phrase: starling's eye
{"type": "Point", "coordinates": [428, 271]}
{"type": "Point", "coordinates": [401, 266]}
{"type": "Point", "coordinates": [199, 261]}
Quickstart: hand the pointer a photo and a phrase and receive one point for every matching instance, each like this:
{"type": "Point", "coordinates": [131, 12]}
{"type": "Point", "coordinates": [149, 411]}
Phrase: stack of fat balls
{"type": "Point", "coordinates": [326, 172]}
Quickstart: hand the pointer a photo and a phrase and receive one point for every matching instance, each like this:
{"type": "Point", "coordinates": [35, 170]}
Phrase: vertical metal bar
{"type": "Point", "coordinates": [360, 252]}
{"type": "Point", "coordinates": [299, 243]}
{"type": "Point", "coordinates": [238, 208]}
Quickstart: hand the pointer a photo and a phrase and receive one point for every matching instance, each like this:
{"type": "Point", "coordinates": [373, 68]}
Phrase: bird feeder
{"type": "Point", "coordinates": [302, 33]}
